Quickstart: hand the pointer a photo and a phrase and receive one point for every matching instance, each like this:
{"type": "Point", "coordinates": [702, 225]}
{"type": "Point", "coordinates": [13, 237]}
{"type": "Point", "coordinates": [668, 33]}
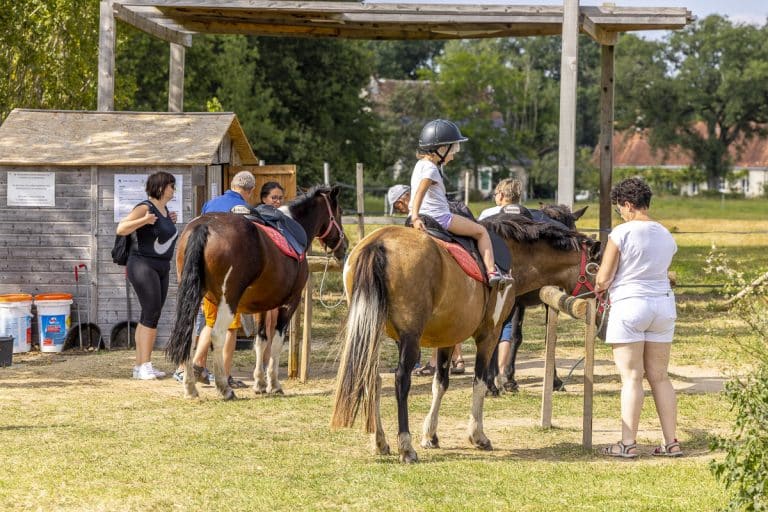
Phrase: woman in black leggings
{"type": "Point", "coordinates": [149, 264]}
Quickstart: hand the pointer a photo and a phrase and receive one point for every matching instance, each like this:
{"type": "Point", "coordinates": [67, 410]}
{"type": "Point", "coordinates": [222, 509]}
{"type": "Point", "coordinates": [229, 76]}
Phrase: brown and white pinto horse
{"type": "Point", "coordinates": [226, 258]}
{"type": "Point", "coordinates": [398, 280]}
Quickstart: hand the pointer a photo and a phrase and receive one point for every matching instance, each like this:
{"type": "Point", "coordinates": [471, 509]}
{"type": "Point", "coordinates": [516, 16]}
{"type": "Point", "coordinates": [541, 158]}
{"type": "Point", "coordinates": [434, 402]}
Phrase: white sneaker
{"type": "Point", "coordinates": [145, 372]}
{"type": "Point", "coordinates": [158, 373]}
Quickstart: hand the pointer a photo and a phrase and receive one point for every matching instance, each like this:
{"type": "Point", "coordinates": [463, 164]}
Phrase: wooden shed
{"type": "Point", "coordinates": [67, 176]}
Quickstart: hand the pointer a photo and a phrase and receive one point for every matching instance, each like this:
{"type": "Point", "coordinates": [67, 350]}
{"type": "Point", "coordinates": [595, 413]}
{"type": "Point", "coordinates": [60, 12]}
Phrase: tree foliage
{"type": "Point", "coordinates": [705, 88]}
{"type": "Point", "coordinates": [49, 50]}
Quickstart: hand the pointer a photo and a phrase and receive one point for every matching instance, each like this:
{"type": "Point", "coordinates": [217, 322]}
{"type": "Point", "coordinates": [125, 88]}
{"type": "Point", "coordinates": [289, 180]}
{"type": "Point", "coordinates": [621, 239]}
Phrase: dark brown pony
{"type": "Point", "coordinates": [400, 281]}
{"type": "Point", "coordinates": [546, 213]}
{"type": "Point", "coordinates": [226, 258]}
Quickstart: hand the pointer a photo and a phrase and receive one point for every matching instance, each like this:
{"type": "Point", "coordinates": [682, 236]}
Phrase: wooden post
{"type": "Point", "coordinates": [326, 173]}
{"type": "Point", "coordinates": [293, 345]}
{"type": "Point", "coordinates": [606, 138]}
{"type": "Point", "coordinates": [105, 101]}
{"type": "Point", "coordinates": [466, 188]}
{"type": "Point", "coordinates": [569, 64]}
{"type": "Point", "coordinates": [549, 367]}
{"type": "Point", "coordinates": [360, 201]}
{"type": "Point", "coordinates": [306, 339]}
{"type": "Point", "coordinates": [590, 331]}
{"type": "Point", "coordinates": [176, 79]}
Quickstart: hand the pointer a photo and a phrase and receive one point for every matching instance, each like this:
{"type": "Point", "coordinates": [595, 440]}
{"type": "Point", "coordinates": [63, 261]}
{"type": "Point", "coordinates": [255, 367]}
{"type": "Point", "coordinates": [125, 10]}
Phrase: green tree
{"type": "Point", "coordinates": [402, 60]}
{"type": "Point", "coordinates": [49, 51]}
{"type": "Point", "coordinates": [705, 89]}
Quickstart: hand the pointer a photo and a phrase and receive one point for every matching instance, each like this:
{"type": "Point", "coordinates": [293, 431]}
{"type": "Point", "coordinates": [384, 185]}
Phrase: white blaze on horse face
{"type": "Point", "coordinates": [501, 299]}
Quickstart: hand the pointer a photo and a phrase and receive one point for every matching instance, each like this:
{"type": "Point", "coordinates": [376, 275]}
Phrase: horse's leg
{"type": "Point", "coordinates": [380, 445]}
{"type": "Point", "coordinates": [273, 366]}
{"type": "Point", "coordinates": [485, 347]}
{"type": "Point", "coordinates": [518, 313]}
{"type": "Point", "coordinates": [190, 389]}
{"type": "Point", "coordinates": [493, 374]}
{"type": "Point", "coordinates": [259, 342]}
{"type": "Point", "coordinates": [409, 353]}
{"type": "Point", "coordinates": [224, 318]}
{"type": "Point", "coordinates": [439, 387]}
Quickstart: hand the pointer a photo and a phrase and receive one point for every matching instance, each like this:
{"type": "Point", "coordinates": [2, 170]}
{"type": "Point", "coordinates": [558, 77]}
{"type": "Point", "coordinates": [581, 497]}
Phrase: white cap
{"type": "Point", "coordinates": [394, 193]}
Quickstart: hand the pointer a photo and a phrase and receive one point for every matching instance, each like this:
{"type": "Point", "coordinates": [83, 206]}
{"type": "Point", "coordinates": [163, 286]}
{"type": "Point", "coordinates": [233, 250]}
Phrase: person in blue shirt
{"type": "Point", "coordinates": [240, 193]}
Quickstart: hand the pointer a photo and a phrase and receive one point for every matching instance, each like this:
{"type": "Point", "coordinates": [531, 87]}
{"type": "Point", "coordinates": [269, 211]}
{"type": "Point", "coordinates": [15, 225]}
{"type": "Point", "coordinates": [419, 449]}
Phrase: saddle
{"type": "Point", "coordinates": [468, 244]}
{"type": "Point", "coordinates": [277, 223]}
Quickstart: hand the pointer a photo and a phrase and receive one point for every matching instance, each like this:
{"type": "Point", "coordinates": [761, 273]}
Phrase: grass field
{"type": "Point", "coordinates": [79, 434]}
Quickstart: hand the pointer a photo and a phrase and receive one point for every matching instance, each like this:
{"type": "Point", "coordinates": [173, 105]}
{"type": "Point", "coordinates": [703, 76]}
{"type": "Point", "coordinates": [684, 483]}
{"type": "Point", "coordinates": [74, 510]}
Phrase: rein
{"type": "Point", "coordinates": [332, 222]}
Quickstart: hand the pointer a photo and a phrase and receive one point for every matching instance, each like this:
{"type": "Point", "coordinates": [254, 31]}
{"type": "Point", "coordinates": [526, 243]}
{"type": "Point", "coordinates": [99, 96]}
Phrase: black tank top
{"type": "Point", "coordinates": [156, 240]}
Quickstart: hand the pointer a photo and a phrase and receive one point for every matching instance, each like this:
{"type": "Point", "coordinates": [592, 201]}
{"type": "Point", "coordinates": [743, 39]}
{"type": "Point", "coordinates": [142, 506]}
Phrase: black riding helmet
{"type": "Point", "coordinates": [439, 132]}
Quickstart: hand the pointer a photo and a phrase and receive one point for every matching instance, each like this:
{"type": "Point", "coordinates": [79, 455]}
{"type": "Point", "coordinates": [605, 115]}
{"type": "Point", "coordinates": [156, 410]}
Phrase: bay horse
{"type": "Point", "coordinates": [399, 281]}
{"type": "Point", "coordinates": [546, 213]}
{"type": "Point", "coordinates": [228, 259]}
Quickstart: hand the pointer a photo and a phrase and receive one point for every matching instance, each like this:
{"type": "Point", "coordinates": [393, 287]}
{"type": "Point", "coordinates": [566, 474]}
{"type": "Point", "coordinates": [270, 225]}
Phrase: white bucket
{"type": "Point", "coordinates": [16, 320]}
{"type": "Point", "coordinates": [53, 311]}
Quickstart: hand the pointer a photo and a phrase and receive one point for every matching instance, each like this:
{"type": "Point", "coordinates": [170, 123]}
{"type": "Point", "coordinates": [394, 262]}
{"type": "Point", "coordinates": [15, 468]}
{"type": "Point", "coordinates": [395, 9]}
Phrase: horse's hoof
{"type": "Point", "coordinates": [483, 444]}
{"type": "Point", "coordinates": [230, 395]}
{"type": "Point", "coordinates": [409, 458]}
{"type": "Point", "coordinates": [558, 387]}
{"type": "Point", "coordinates": [278, 391]}
{"type": "Point", "coordinates": [191, 396]}
{"type": "Point", "coordinates": [430, 443]}
{"type": "Point", "coordinates": [511, 386]}
{"type": "Point", "coordinates": [383, 450]}
{"type": "Point", "coordinates": [493, 392]}
{"type": "Point", "coordinates": [259, 391]}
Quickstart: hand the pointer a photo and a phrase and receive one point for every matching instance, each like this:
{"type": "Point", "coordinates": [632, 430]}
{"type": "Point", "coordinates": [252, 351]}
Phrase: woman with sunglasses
{"type": "Point", "coordinates": [149, 263]}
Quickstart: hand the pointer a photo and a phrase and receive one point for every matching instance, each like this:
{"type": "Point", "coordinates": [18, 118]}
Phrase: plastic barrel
{"type": "Point", "coordinates": [16, 320]}
{"type": "Point", "coordinates": [53, 319]}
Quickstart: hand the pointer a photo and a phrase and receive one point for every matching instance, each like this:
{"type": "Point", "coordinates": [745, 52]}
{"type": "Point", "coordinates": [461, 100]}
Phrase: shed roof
{"type": "Point", "coordinates": [177, 20]}
{"type": "Point", "coordinates": [73, 138]}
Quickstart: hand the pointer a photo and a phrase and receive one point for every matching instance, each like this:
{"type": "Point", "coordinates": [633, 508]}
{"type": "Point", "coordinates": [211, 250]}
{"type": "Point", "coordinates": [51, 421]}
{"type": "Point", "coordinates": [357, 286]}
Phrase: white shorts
{"type": "Point", "coordinates": [637, 319]}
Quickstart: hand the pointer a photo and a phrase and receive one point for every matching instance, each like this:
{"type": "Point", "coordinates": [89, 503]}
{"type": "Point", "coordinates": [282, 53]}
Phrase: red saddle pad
{"type": "Point", "coordinates": [463, 258]}
{"type": "Point", "coordinates": [280, 241]}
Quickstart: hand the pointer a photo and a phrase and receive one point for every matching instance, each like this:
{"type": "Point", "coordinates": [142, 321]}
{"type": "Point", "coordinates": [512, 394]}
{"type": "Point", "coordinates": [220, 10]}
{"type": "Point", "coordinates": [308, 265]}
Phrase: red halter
{"type": "Point", "coordinates": [582, 279]}
{"type": "Point", "coordinates": [332, 222]}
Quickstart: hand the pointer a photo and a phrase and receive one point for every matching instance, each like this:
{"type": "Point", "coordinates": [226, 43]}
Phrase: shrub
{"type": "Point", "coordinates": [745, 467]}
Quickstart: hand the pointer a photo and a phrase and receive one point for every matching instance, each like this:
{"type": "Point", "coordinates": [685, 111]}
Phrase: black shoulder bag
{"type": "Point", "coordinates": [122, 247]}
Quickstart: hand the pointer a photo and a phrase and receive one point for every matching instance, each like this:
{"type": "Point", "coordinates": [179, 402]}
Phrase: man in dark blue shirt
{"type": "Point", "coordinates": [240, 193]}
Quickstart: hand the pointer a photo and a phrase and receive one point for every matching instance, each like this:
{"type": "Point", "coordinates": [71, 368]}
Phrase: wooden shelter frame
{"type": "Point", "coordinates": [176, 21]}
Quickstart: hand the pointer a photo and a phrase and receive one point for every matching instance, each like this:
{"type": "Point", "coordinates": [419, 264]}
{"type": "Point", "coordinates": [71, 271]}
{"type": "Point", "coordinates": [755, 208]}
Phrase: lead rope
{"type": "Point", "coordinates": [322, 283]}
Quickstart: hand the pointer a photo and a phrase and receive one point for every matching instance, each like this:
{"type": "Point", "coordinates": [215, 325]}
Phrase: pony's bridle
{"type": "Point", "coordinates": [331, 223]}
{"type": "Point", "coordinates": [585, 268]}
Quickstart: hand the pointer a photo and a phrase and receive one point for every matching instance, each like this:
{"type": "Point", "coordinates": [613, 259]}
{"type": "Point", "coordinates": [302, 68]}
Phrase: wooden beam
{"type": "Point", "coordinates": [106, 79]}
{"type": "Point", "coordinates": [152, 21]}
{"type": "Point", "coordinates": [569, 65]}
{"type": "Point", "coordinates": [606, 138]}
{"type": "Point", "coordinates": [597, 32]}
{"type": "Point", "coordinates": [176, 79]}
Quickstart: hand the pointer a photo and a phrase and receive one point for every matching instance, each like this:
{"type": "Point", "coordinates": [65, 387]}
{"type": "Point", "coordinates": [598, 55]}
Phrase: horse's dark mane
{"type": "Point", "coordinates": [522, 229]}
{"type": "Point", "coordinates": [304, 201]}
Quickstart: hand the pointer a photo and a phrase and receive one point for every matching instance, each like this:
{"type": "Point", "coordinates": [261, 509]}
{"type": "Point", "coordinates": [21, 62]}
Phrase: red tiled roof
{"type": "Point", "coordinates": [632, 149]}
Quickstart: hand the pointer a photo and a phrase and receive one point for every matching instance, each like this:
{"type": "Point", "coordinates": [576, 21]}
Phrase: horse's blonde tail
{"type": "Point", "coordinates": [357, 383]}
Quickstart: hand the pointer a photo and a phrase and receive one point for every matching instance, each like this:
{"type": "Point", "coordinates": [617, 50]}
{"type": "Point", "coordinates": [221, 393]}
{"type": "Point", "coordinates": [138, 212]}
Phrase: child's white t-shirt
{"type": "Point", "coordinates": [434, 203]}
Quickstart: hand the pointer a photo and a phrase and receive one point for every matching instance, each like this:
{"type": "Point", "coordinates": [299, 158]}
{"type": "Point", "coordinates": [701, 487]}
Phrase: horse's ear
{"type": "Point", "coordinates": [335, 191]}
{"type": "Point", "coordinates": [578, 213]}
